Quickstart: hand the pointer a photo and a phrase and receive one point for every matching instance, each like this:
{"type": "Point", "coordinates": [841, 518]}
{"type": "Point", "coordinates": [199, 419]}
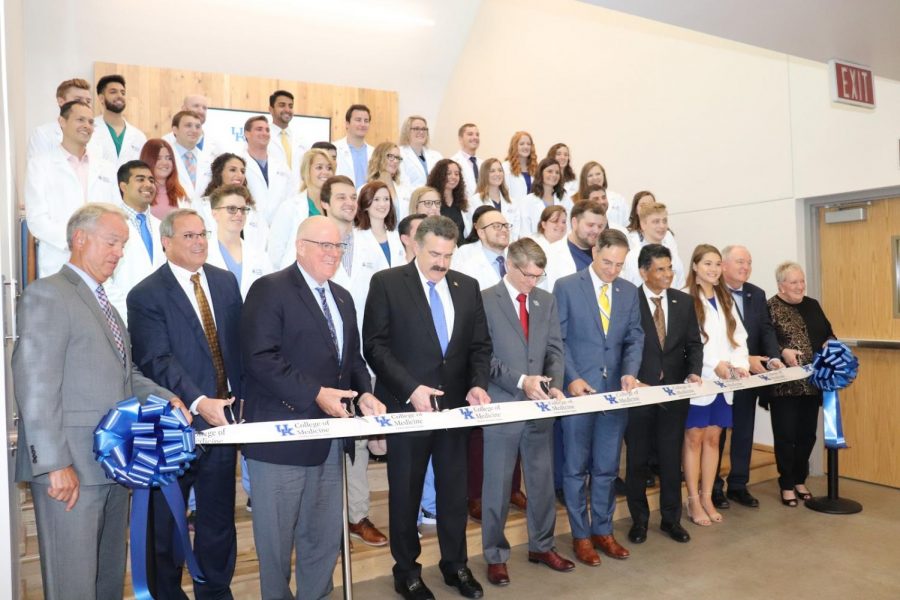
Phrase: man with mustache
{"type": "Point", "coordinates": [116, 140]}
{"type": "Point", "coordinates": [426, 338]}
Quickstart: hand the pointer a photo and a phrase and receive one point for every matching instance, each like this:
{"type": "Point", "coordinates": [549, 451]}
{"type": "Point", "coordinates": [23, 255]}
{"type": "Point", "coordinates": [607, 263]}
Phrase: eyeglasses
{"type": "Point", "coordinates": [233, 210]}
{"type": "Point", "coordinates": [498, 226]}
{"type": "Point", "coordinates": [419, 129]}
{"type": "Point", "coordinates": [429, 203]}
{"type": "Point", "coordinates": [193, 237]}
{"type": "Point", "coordinates": [534, 278]}
{"type": "Point", "coordinates": [394, 157]}
{"type": "Point", "coordinates": [329, 246]}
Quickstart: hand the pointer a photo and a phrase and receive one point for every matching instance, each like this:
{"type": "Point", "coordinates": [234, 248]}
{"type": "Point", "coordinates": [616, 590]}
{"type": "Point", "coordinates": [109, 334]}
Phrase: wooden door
{"type": "Point", "coordinates": [857, 264]}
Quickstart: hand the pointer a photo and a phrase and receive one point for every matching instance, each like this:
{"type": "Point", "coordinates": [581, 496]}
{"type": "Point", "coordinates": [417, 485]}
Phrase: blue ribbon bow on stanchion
{"type": "Point", "coordinates": [142, 447]}
{"type": "Point", "coordinates": [834, 368]}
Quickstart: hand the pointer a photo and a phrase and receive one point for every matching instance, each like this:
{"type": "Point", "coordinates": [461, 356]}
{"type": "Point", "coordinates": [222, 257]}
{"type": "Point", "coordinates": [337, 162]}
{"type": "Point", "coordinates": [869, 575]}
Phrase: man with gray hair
{"type": "Point", "coordinates": [72, 364]}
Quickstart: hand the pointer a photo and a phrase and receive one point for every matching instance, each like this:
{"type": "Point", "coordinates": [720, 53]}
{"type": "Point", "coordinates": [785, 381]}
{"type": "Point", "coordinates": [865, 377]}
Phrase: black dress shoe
{"type": "Point", "coordinates": [719, 500]}
{"type": "Point", "coordinates": [676, 532]}
{"type": "Point", "coordinates": [465, 582]}
{"type": "Point", "coordinates": [743, 497]}
{"type": "Point", "coordinates": [413, 589]}
{"type": "Point", "coordinates": [638, 533]}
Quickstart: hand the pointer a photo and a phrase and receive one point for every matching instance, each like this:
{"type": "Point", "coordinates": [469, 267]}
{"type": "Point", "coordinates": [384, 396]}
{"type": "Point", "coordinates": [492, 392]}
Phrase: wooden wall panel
{"type": "Point", "coordinates": [155, 94]}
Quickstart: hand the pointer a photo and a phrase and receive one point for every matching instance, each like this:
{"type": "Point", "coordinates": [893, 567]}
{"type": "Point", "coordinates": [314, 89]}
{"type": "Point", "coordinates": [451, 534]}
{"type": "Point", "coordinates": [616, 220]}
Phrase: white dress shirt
{"type": "Point", "coordinates": [665, 304]}
{"type": "Point", "coordinates": [443, 291]}
{"type": "Point", "coordinates": [332, 307]}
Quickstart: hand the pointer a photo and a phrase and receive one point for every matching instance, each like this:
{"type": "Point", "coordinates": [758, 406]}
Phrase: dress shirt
{"type": "Point", "coordinates": [88, 280]}
{"type": "Point", "coordinates": [492, 259]}
{"type": "Point", "coordinates": [360, 162]}
{"type": "Point", "coordinates": [665, 303]}
{"type": "Point", "coordinates": [598, 283]}
{"type": "Point", "coordinates": [81, 167]}
{"type": "Point", "coordinates": [514, 296]}
{"type": "Point", "coordinates": [738, 298]}
{"type": "Point", "coordinates": [443, 290]}
{"type": "Point", "coordinates": [332, 306]}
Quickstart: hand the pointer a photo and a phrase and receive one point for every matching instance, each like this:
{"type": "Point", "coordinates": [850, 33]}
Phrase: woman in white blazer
{"type": "Point", "coordinates": [546, 190]}
{"type": "Point", "coordinates": [653, 228]}
{"type": "Point", "coordinates": [491, 191]}
{"type": "Point", "coordinates": [418, 158]}
{"type": "Point", "coordinates": [561, 153]}
{"type": "Point", "coordinates": [520, 165]}
{"type": "Point", "coordinates": [384, 166]}
{"type": "Point", "coordinates": [725, 356]}
{"type": "Point", "coordinates": [230, 205]}
{"type": "Point", "coordinates": [315, 169]}
{"type": "Point", "coordinates": [593, 173]}
{"type": "Point", "coordinates": [158, 154]}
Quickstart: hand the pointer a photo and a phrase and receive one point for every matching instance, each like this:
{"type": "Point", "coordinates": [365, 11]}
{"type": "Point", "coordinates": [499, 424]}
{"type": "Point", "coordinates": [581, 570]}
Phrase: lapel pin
{"type": "Point", "coordinates": [536, 303]}
{"type": "Point", "coordinates": [674, 301]}
{"type": "Point", "coordinates": [455, 284]}
{"type": "Point", "coordinates": [617, 289]}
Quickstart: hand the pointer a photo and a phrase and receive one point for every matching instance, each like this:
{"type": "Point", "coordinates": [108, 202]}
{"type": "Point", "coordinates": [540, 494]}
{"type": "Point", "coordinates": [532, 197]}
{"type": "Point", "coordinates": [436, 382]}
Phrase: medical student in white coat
{"type": "Point", "coordinates": [111, 96]}
{"type": "Point", "coordinates": [418, 158]}
{"type": "Point", "coordinates": [61, 181]}
{"type": "Point", "coordinates": [593, 172]}
{"type": "Point", "coordinates": [491, 191]}
{"type": "Point", "coordinates": [386, 166]}
{"type": "Point", "coordinates": [315, 169]}
{"type": "Point", "coordinates": [469, 141]}
{"type": "Point", "coordinates": [546, 190]}
{"type": "Point", "coordinates": [551, 228]}
{"type": "Point", "coordinates": [44, 138]}
{"type": "Point", "coordinates": [353, 153]}
{"type": "Point", "coordinates": [143, 253]}
{"type": "Point", "coordinates": [560, 152]}
{"type": "Point", "coordinates": [268, 176]}
{"type": "Point", "coordinates": [230, 169]}
{"type": "Point", "coordinates": [191, 162]}
{"type": "Point", "coordinates": [520, 165]}
{"type": "Point", "coordinates": [725, 356]}
{"type": "Point", "coordinates": [210, 142]}
{"type": "Point", "coordinates": [284, 143]}
{"type": "Point", "coordinates": [653, 229]}
{"type": "Point", "coordinates": [484, 255]}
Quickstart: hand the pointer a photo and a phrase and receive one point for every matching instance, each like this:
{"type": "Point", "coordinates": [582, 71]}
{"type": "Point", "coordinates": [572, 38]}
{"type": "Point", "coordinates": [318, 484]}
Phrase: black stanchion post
{"type": "Point", "coordinates": [346, 568]}
{"type": "Point", "coordinates": [833, 504]}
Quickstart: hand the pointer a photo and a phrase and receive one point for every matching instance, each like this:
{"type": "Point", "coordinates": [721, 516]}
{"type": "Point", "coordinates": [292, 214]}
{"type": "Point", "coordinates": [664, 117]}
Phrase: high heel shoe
{"type": "Point", "coordinates": [702, 521]}
{"type": "Point", "coordinates": [807, 495]}
{"type": "Point", "coordinates": [715, 516]}
{"type": "Point", "coordinates": [792, 502]}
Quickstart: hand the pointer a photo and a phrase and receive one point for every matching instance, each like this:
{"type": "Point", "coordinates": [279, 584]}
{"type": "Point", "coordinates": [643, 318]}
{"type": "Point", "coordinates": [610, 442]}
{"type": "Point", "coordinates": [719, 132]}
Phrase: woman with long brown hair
{"type": "Point", "coordinates": [561, 154]}
{"type": "Point", "coordinates": [446, 178]}
{"type": "Point", "coordinates": [158, 154]}
{"type": "Point", "coordinates": [491, 191]}
{"type": "Point", "coordinates": [593, 173]}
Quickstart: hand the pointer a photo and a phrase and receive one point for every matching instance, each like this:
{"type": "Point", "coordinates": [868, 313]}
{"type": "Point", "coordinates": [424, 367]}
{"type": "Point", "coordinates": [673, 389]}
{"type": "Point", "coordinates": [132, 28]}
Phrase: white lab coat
{"type": "Point", "coordinates": [44, 138]}
{"type": "Point", "coordinates": [401, 202]}
{"type": "Point", "coordinates": [212, 145]}
{"type": "Point", "coordinates": [411, 167]}
{"type": "Point", "coordinates": [631, 272]}
{"type": "Point", "coordinates": [268, 197]}
{"type": "Point", "coordinates": [204, 171]}
{"type": "Point", "coordinates": [571, 187]}
{"type": "Point", "coordinates": [717, 348]}
{"type": "Point", "coordinates": [254, 263]}
{"type": "Point", "coordinates": [102, 144]}
{"type": "Point", "coordinates": [256, 230]}
{"type": "Point", "coordinates": [53, 192]}
{"type": "Point", "coordinates": [345, 160]}
{"type": "Point", "coordinates": [619, 209]}
{"type": "Point", "coordinates": [297, 152]}
{"type": "Point", "coordinates": [512, 211]}
{"type": "Point", "coordinates": [471, 260]}
{"type": "Point", "coordinates": [516, 185]}
{"type": "Point", "coordinates": [135, 264]}
{"type": "Point", "coordinates": [283, 233]}
{"type": "Point", "coordinates": [368, 259]}
{"type": "Point", "coordinates": [559, 263]}
{"type": "Point", "coordinates": [465, 165]}
{"type": "Point", "coordinates": [531, 209]}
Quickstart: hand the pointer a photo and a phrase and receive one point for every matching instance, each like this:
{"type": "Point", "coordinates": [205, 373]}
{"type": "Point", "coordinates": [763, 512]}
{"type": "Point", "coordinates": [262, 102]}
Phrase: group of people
{"type": "Point", "coordinates": [276, 282]}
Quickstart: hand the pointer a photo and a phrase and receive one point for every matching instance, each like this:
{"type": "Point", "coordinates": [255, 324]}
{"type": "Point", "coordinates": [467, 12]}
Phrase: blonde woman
{"type": "Point", "coordinates": [384, 166]}
{"type": "Point", "coordinates": [418, 158]}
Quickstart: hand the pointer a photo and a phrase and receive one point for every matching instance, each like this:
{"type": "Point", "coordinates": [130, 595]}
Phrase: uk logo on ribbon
{"type": "Point", "coordinates": [383, 421]}
{"type": "Point", "coordinates": [764, 377]}
{"type": "Point", "coordinates": [543, 406]}
{"type": "Point", "coordinates": [467, 414]}
{"type": "Point", "coordinates": [610, 398]}
{"type": "Point", "coordinates": [285, 429]}
{"type": "Point", "coordinates": [669, 391]}
{"type": "Point", "coordinates": [720, 384]}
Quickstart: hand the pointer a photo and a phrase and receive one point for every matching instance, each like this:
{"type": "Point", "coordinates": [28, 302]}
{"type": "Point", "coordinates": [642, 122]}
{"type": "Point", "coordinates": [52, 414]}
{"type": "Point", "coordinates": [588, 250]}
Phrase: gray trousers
{"type": "Point", "coordinates": [502, 443]}
{"type": "Point", "coordinates": [358, 482]}
{"type": "Point", "coordinates": [297, 508]}
{"type": "Point", "coordinates": [82, 551]}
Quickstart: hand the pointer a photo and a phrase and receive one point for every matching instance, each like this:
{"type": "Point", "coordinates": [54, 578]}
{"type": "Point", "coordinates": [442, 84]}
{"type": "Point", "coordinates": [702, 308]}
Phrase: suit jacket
{"type": "Point", "coordinates": [589, 352]}
{"type": "Point", "coordinates": [761, 338]}
{"type": "Point", "coordinates": [67, 374]}
{"type": "Point", "coordinates": [288, 355]}
{"type": "Point", "coordinates": [401, 344]}
{"type": "Point", "coordinates": [513, 356]}
{"type": "Point", "coordinates": [169, 343]}
{"type": "Point", "coordinates": [683, 352]}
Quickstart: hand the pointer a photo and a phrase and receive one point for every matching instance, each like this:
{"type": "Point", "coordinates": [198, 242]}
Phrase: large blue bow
{"type": "Point", "coordinates": [834, 368]}
{"type": "Point", "coordinates": [142, 447]}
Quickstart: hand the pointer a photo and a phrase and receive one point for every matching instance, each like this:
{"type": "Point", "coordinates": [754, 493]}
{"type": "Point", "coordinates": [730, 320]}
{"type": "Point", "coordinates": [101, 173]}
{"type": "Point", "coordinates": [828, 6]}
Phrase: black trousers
{"type": "Point", "coordinates": [408, 455]}
{"type": "Point", "coordinates": [744, 420]}
{"type": "Point", "coordinates": [794, 422]}
{"type": "Point", "coordinates": [215, 537]}
{"type": "Point", "coordinates": [662, 426]}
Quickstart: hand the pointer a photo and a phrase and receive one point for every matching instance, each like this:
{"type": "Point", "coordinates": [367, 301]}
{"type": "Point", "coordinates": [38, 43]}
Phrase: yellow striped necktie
{"type": "Point", "coordinates": [603, 300]}
{"type": "Point", "coordinates": [286, 144]}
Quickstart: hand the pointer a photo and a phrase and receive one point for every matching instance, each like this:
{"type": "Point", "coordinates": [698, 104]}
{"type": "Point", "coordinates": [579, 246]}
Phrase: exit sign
{"type": "Point", "coordinates": [851, 83]}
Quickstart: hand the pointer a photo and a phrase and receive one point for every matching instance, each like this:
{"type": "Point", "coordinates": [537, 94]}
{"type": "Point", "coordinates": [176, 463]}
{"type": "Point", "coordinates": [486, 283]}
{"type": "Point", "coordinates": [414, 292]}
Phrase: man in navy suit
{"type": "Point", "coordinates": [302, 360]}
{"type": "Point", "coordinates": [184, 320]}
{"type": "Point", "coordinates": [600, 320]}
{"type": "Point", "coordinates": [737, 265]}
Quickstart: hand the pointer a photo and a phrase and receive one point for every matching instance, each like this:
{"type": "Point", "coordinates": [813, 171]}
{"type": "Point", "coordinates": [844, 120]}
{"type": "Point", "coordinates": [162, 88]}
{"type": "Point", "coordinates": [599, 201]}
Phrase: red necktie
{"type": "Point", "coordinates": [523, 314]}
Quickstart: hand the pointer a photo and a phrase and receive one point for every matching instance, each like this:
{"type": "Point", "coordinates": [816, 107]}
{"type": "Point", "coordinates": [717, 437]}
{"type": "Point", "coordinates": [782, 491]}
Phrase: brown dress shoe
{"type": "Point", "coordinates": [552, 560]}
{"type": "Point", "coordinates": [368, 533]}
{"type": "Point", "coordinates": [585, 553]}
{"type": "Point", "coordinates": [518, 500]}
{"type": "Point", "coordinates": [609, 546]}
{"type": "Point", "coordinates": [475, 510]}
{"type": "Point", "coordinates": [497, 574]}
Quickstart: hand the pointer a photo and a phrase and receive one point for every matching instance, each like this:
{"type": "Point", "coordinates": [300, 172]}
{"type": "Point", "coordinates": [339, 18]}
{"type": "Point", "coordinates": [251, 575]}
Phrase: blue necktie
{"type": "Point", "coordinates": [501, 266]}
{"type": "Point", "coordinates": [328, 318]}
{"type": "Point", "coordinates": [145, 234]}
{"type": "Point", "coordinates": [738, 294]}
{"type": "Point", "coordinates": [474, 162]}
{"type": "Point", "coordinates": [437, 315]}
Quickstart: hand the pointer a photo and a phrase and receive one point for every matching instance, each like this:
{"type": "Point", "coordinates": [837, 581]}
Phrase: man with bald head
{"type": "Point", "coordinates": [302, 360]}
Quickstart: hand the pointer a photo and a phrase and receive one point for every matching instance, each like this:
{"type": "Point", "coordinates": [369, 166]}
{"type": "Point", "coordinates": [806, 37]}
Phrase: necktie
{"type": "Point", "coordinates": [501, 266]}
{"type": "Point", "coordinates": [286, 144]}
{"type": "Point", "coordinates": [659, 320]}
{"type": "Point", "coordinates": [106, 307]}
{"type": "Point", "coordinates": [212, 337]}
{"type": "Point", "coordinates": [145, 234]}
{"type": "Point", "coordinates": [424, 163]}
{"type": "Point", "coordinates": [737, 294]}
{"type": "Point", "coordinates": [474, 162]}
{"type": "Point", "coordinates": [603, 300]}
{"type": "Point", "coordinates": [330, 321]}
{"type": "Point", "coordinates": [190, 161]}
{"type": "Point", "coordinates": [437, 315]}
{"type": "Point", "coordinates": [523, 313]}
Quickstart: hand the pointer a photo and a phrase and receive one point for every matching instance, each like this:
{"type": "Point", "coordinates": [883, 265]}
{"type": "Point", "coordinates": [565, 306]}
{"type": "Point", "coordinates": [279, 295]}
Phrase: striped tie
{"type": "Point", "coordinates": [212, 337]}
{"type": "Point", "coordinates": [603, 299]}
{"type": "Point", "coordinates": [190, 161]}
{"type": "Point", "coordinates": [106, 307]}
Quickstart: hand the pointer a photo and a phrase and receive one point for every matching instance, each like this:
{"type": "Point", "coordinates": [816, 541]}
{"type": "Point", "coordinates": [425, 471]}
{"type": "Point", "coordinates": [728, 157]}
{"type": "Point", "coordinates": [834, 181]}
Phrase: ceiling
{"type": "Point", "coordinates": [862, 31]}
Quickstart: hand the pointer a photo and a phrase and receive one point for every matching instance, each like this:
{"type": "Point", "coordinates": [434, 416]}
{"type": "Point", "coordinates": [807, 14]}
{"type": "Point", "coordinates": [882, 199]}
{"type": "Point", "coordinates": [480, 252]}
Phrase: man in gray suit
{"type": "Point", "coordinates": [71, 365]}
{"type": "Point", "coordinates": [527, 364]}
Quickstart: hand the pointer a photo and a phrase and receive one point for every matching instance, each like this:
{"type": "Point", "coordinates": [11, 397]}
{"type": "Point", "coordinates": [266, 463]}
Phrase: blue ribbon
{"type": "Point", "coordinates": [142, 447]}
{"type": "Point", "coordinates": [834, 368]}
